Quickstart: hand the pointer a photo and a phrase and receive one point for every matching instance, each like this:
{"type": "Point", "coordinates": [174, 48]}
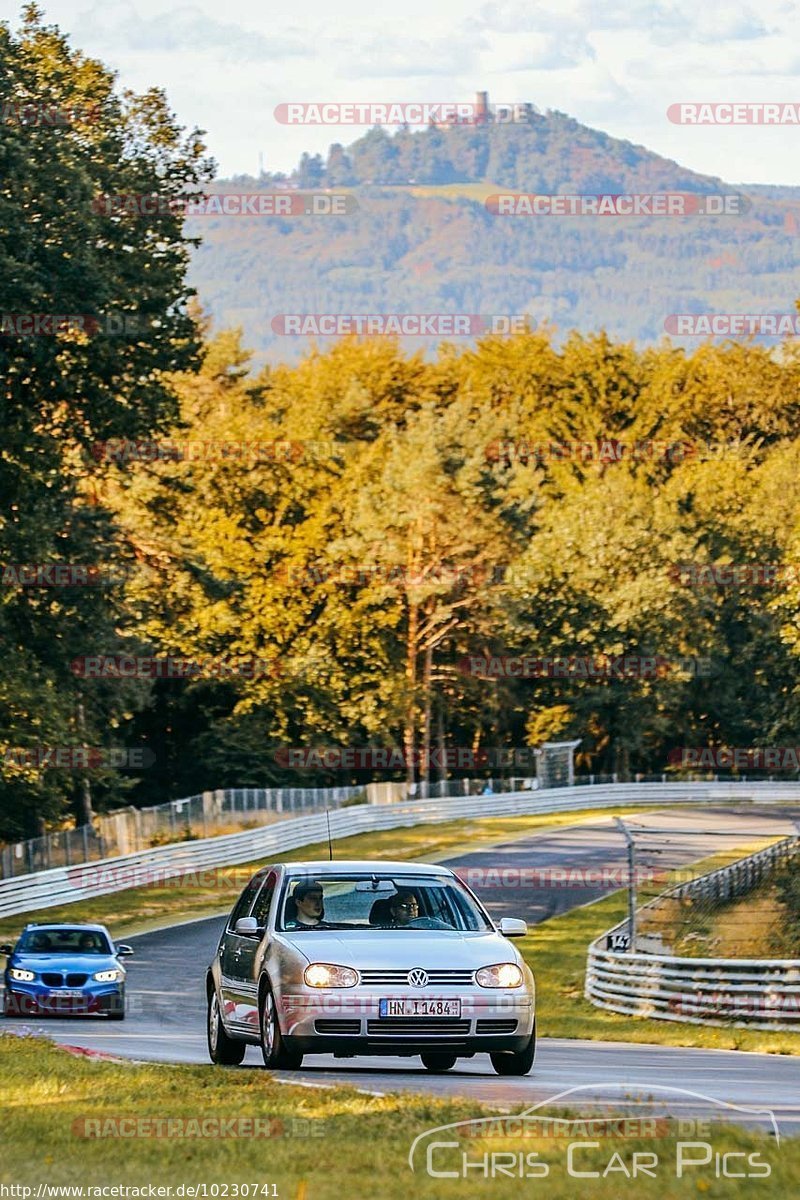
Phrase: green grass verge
{"type": "Point", "coordinates": [323, 1144]}
{"type": "Point", "coordinates": [209, 892]}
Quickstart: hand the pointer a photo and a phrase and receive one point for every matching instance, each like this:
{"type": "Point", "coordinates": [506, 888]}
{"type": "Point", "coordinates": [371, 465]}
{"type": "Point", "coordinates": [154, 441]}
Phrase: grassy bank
{"type": "Point", "coordinates": [556, 951]}
{"type": "Point", "coordinates": [759, 924]}
{"type": "Point", "coordinates": [314, 1144]}
{"type": "Point", "coordinates": [209, 892]}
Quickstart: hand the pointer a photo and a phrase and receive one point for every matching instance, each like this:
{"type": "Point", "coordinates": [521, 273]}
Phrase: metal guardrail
{"type": "Point", "coordinates": [208, 814]}
{"type": "Point", "coordinates": [126, 830]}
{"type": "Point", "coordinates": [222, 810]}
{"type": "Point", "coordinates": [64, 885]}
{"type": "Point", "coordinates": [759, 993]}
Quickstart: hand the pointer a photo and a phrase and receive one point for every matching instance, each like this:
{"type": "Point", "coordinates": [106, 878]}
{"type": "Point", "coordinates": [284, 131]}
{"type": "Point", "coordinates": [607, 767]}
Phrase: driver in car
{"type": "Point", "coordinates": [404, 908]}
{"type": "Point", "coordinates": [308, 899]}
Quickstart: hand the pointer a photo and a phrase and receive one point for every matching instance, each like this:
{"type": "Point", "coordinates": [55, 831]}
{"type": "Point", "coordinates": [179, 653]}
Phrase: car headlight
{"type": "Point", "coordinates": [107, 976]}
{"type": "Point", "coordinates": [22, 976]}
{"type": "Point", "coordinates": [327, 975]}
{"type": "Point", "coordinates": [502, 975]}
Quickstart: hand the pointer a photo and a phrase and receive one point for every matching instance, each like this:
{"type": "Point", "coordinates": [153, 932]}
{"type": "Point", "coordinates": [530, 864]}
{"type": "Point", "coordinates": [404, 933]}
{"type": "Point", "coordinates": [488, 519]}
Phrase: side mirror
{"type": "Point", "coordinates": [511, 927]}
{"type": "Point", "coordinates": [6, 949]}
{"type": "Point", "coordinates": [246, 927]}
{"type": "Point", "coordinates": [124, 951]}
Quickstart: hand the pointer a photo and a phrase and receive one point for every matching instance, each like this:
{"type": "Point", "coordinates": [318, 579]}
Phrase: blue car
{"type": "Point", "coordinates": [64, 970]}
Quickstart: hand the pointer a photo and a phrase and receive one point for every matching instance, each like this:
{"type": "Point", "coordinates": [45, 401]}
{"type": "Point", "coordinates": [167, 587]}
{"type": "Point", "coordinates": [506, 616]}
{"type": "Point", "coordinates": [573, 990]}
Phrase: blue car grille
{"type": "Point", "coordinates": [56, 979]}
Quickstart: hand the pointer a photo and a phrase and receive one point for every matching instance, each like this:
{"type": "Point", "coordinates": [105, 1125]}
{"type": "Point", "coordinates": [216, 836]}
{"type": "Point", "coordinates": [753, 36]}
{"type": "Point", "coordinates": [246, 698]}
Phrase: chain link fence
{"type": "Point", "coordinates": [721, 906]}
{"type": "Point", "coordinates": [210, 814]}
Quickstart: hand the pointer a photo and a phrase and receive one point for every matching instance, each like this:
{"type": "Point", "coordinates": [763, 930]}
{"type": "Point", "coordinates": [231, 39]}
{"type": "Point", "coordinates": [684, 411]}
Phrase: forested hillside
{"type": "Point", "coordinates": [423, 241]}
{"type": "Point", "coordinates": [337, 543]}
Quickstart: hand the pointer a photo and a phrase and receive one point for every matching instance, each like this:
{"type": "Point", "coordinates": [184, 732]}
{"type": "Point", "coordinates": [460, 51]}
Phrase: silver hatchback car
{"type": "Point", "coordinates": [350, 958]}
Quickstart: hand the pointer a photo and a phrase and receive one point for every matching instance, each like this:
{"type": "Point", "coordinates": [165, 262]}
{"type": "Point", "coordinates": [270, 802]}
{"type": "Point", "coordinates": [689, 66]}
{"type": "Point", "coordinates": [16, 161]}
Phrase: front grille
{"type": "Point", "coordinates": [491, 1026]}
{"type": "Point", "coordinates": [337, 1025]}
{"type": "Point", "coordinates": [416, 1025]}
{"type": "Point", "coordinates": [52, 980]}
{"type": "Point", "coordinates": [400, 978]}
{"type": "Point", "coordinates": [76, 980]}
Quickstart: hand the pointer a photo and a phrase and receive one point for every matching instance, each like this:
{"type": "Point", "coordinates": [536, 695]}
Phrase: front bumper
{"type": "Point", "coordinates": [36, 999]}
{"type": "Point", "coordinates": [348, 1022]}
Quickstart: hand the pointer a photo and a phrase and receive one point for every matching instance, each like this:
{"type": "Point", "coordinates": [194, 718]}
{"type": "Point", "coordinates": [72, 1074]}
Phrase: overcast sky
{"type": "Point", "coordinates": [614, 66]}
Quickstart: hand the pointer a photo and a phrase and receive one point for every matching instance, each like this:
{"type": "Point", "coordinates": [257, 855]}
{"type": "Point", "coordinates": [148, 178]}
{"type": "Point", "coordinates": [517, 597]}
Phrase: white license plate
{"type": "Point", "coordinates": [419, 1007]}
{"type": "Point", "coordinates": [65, 994]}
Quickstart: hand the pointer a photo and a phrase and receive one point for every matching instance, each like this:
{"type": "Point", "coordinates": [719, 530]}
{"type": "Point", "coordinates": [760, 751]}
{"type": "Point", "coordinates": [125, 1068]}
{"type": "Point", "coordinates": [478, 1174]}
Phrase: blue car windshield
{"type": "Point", "coordinates": [64, 941]}
{"type": "Point", "coordinates": [381, 901]}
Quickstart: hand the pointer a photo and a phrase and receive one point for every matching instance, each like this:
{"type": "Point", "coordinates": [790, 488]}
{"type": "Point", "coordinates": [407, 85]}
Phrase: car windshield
{"type": "Point", "coordinates": [379, 901]}
{"type": "Point", "coordinates": [64, 941]}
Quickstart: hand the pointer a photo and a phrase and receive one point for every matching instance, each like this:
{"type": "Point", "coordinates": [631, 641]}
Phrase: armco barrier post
{"type": "Point", "coordinates": [631, 883]}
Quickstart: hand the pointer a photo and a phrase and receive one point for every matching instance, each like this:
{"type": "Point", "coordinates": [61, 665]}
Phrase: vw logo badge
{"type": "Point", "coordinates": [418, 977]}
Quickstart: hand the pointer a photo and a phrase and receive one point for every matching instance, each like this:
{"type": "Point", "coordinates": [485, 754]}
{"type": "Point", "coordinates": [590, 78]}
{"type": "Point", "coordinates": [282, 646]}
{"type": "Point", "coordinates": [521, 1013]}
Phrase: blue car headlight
{"type": "Point", "coordinates": [107, 976]}
{"type": "Point", "coordinates": [21, 975]}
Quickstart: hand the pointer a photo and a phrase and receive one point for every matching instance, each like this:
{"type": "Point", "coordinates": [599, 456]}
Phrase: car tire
{"type": "Point", "coordinates": [437, 1061]}
{"type": "Point", "coordinates": [223, 1050]}
{"type": "Point", "coordinates": [10, 1008]}
{"type": "Point", "coordinates": [516, 1062]}
{"type": "Point", "coordinates": [277, 1056]}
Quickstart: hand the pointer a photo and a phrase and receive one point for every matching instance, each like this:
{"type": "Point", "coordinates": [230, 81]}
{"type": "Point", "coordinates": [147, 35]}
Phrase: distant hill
{"type": "Point", "coordinates": [422, 240]}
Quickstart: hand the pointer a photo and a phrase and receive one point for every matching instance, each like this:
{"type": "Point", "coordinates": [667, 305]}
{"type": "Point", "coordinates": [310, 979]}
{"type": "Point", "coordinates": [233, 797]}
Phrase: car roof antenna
{"type": "Point", "coordinates": [330, 843]}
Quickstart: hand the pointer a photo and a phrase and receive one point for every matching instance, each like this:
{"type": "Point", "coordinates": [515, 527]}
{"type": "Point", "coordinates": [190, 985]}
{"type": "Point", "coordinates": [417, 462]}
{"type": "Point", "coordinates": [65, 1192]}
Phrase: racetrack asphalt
{"type": "Point", "coordinates": [166, 995]}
